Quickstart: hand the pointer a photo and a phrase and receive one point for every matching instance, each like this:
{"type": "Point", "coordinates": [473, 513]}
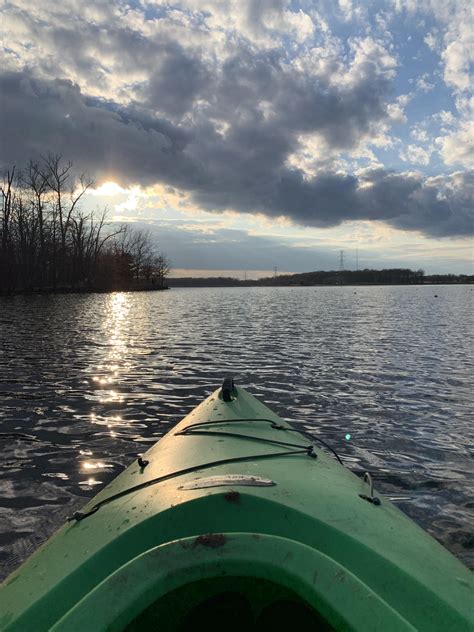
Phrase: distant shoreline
{"type": "Point", "coordinates": [318, 285]}
{"type": "Point", "coordinates": [332, 278]}
{"type": "Point", "coordinates": [250, 284]}
{"type": "Point", "coordinates": [59, 291]}
{"type": "Point", "coordinates": [65, 290]}
{"type": "Point", "coordinates": [322, 278]}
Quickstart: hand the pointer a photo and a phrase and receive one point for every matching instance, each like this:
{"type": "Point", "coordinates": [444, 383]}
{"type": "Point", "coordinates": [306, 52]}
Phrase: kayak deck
{"type": "Point", "coordinates": [234, 492]}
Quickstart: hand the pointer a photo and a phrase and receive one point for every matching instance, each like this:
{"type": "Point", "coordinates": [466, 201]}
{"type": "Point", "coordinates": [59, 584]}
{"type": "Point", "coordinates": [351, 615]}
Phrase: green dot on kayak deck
{"type": "Point", "coordinates": [348, 436]}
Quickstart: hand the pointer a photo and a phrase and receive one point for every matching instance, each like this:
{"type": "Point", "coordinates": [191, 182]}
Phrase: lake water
{"type": "Point", "coordinates": [89, 381]}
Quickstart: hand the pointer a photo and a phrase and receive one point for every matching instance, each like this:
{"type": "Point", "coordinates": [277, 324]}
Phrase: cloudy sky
{"type": "Point", "coordinates": [248, 134]}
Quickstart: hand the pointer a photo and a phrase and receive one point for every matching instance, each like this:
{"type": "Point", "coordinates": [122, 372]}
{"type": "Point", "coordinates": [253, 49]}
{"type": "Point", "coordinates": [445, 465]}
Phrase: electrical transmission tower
{"type": "Point", "coordinates": [341, 260]}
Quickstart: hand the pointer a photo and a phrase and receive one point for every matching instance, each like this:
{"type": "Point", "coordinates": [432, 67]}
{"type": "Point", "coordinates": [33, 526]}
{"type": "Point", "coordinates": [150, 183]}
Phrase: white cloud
{"type": "Point", "coordinates": [346, 7]}
{"type": "Point", "coordinates": [455, 40]}
{"type": "Point", "coordinates": [396, 110]}
{"type": "Point", "coordinates": [458, 148]}
{"type": "Point", "coordinates": [458, 55]}
{"type": "Point", "coordinates": [296, 24]}
{"type": "Point", "coordinates": [382, 20]}
{"type": "Point", "coordinates": [423, 84]}
{"type": "Point", "coordinates": [431, 40]}
{"type": "Point", "coordinates": [419, 134]}
{"type": "Point", "coordinates": [258, 21]}
{"type": "Point", "coordinates": [416, 154]}
{"type": "Point", "coordinates": [445, 117]}
{"type": "Point", "coordinates": [323, 60]}
{"type": "Point", "coordinates": [368, 56]}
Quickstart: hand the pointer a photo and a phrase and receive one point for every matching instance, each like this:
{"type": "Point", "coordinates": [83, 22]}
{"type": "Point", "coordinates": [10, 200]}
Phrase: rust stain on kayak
{"type": "Point", "coordinates": [232, 497]}
{"type": "Point", "coordinates": [211, 540]}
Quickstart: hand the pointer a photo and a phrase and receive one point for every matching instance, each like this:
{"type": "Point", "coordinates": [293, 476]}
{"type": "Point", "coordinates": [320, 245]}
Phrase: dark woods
{"type": "Point", "coordinates": [390, 276]}
{"type": "Point", "coordinates": [47, 243]}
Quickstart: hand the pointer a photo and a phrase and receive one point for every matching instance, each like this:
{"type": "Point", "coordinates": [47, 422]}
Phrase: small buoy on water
{"type": "Point", "coordinates": [436, 296]}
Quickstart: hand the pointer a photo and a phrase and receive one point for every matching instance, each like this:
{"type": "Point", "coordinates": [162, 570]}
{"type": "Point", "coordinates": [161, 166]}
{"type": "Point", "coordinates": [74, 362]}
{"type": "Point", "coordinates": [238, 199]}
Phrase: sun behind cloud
{"type": "Point", "coordinates": [108, 189]}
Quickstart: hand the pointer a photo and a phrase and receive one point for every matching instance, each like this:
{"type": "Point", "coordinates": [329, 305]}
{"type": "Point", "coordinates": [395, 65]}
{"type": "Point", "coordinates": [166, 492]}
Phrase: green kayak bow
{"type": "Point", "coordinates": [237, 520]}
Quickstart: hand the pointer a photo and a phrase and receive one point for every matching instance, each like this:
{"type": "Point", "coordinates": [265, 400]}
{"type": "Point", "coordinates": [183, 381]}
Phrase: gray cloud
{"type": "Point", "coordinates": [176, 81]}
{"type": "Point", "coordinates": [97, 136]}
{"type": "Point", "coordinates": [406, 201]}
{"type": "Point", "coordinates": [224, 135]}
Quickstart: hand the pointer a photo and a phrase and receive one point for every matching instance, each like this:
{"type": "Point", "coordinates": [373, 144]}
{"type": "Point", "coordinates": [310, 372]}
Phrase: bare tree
{"type": "Point", "coordinates": [163, 268]}
{"type": "Point", "coordinates": [47, 240]}
{"type": "Point", "coordinates": [65, 192]}
{"type": "Point", "coordinates": [138, 245]}
{"type": "Point", "coordinates": [6, 244]}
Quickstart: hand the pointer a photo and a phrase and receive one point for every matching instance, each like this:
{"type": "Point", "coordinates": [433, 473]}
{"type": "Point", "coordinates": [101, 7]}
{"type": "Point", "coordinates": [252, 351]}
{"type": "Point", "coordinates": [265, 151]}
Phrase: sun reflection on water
{"type": "Point", "coordinates": [114, 330]}
{"type": "Point", "coordinates": [111, 362]}
{"type": "Point", "coordinates": [90, 482]}
{"type": "Point", "coordinates": [97, 465]}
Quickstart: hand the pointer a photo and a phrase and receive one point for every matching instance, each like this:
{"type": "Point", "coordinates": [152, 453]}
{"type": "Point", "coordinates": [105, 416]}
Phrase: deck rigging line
{"type": "Point", "coordinates": [274, 425]}
{"type": "Point", "coordinates": [79, 515]}
{"type": "Point", "coordinates": [200, 429]}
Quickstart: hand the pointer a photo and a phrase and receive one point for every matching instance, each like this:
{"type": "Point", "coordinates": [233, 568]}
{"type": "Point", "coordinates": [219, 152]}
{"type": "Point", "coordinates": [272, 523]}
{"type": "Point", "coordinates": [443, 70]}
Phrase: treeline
{"type": "Point", "coordinates": [345, 277]}
{"type": "Point", "coordinates": [391, 276]}
{"type": "Point", "coordinates": [48, 243]}
{"type": "Point", "coordinates": [204, 282]}
{"type": "Point", "coordinates": [449, 278]}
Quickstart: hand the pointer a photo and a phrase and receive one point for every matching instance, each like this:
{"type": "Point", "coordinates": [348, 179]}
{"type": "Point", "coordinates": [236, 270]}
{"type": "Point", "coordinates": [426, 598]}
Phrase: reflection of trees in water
{"type": "Point", "coordinates": [48, 242]}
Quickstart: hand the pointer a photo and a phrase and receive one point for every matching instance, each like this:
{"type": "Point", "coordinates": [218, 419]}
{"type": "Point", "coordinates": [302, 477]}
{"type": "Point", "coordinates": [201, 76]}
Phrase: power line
{"type": "Point", "coordinates": [341, 260]}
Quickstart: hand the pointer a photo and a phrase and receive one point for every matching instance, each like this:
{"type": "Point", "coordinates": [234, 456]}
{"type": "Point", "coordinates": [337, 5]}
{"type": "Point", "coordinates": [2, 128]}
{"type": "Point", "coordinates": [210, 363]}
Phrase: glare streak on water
{"type": "Point", "coordinates": [89, 381]}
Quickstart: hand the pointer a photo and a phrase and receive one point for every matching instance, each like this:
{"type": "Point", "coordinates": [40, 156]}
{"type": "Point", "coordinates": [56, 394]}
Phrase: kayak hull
{"type": "Point", "coordinates": [234, 492]}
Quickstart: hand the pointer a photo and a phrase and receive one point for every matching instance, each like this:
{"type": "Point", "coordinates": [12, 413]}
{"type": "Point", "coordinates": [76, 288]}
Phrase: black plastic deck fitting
{"type": "Point", "coordinates": [227, 388]}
